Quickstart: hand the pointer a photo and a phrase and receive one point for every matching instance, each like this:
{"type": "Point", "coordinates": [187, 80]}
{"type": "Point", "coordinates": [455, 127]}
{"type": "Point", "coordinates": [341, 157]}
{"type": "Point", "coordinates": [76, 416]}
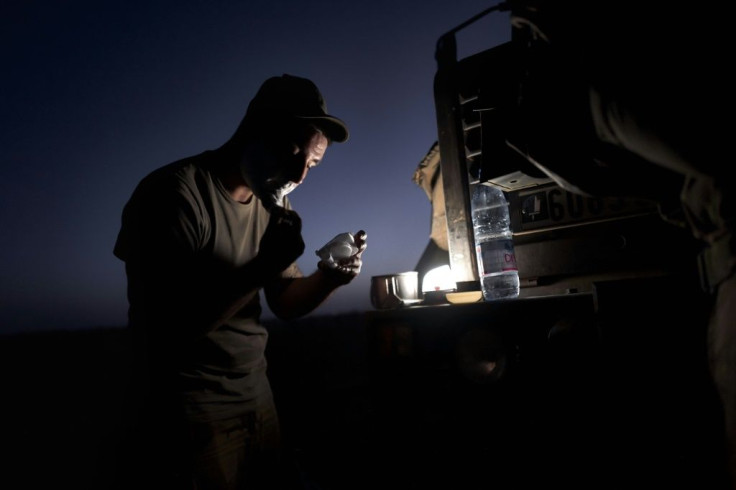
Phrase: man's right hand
{"type": "Point", "coordinates": [282, 242]}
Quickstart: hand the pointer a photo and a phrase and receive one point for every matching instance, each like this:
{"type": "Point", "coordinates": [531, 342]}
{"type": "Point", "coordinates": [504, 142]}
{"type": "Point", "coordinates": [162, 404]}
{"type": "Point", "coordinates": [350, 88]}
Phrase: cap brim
{"type": "Point", "coordinates": [334, 128]}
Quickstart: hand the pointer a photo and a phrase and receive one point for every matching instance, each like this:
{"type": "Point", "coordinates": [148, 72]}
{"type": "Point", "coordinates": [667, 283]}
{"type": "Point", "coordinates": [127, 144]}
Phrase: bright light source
{"type": "Point", "coordinates": [438, 279]}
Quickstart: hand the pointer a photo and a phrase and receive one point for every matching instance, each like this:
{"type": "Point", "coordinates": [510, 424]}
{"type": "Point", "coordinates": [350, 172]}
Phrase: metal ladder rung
{"type": "Point", "coordinates": [467, 100]}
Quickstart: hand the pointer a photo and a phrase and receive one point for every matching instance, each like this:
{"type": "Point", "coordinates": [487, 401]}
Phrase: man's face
{"type": "Point", "coordinates": [275, 166]}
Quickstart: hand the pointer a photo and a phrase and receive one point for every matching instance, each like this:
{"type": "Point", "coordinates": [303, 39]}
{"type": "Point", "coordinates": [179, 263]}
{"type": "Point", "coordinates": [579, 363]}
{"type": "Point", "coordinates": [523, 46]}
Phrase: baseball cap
{"type": "Point", "coordinates": [289, 96]}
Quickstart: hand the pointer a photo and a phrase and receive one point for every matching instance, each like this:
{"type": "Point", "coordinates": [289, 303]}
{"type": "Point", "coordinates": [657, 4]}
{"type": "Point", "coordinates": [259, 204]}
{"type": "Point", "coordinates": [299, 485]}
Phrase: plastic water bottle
{"type": "Point", "coordinates": [494, 246]}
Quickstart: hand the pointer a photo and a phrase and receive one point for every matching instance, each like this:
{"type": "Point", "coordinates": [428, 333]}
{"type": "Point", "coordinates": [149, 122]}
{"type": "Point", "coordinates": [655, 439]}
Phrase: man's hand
{"type": "Point", "coordinates": [282, 243]}
{"type": "Point", "coordinates": [349, 268]}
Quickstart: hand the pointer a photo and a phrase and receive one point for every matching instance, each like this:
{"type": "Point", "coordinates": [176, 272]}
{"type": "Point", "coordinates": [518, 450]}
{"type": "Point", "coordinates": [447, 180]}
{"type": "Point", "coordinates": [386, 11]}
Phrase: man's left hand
{"type": "Point", "coordinates": [349, 268]}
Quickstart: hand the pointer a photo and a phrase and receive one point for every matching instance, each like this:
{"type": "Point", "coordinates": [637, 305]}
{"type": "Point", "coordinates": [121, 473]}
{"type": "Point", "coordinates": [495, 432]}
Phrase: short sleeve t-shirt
{"type": "Point", "coordinates": [181, 237]}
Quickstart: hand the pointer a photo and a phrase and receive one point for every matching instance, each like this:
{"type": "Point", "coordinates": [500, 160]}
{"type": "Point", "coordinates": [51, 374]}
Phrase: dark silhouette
{"type": "Point", "coordinates": [200, 238]}
{"type": "Point", "coordinates": [618, 98]}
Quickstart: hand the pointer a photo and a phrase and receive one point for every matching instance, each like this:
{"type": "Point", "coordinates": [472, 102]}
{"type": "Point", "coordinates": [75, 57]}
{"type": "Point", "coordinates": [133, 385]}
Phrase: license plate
{"type": "Point", "coordinates": [552, 206]}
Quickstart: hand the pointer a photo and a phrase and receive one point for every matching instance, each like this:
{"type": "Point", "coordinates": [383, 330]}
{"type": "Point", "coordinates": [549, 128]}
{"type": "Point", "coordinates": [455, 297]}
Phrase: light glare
{"type": "Point", "coordinates": [438, 279]}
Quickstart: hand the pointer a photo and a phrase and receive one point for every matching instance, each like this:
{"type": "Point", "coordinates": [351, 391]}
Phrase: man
{"type": "Point", "coordinates": [200, 238]}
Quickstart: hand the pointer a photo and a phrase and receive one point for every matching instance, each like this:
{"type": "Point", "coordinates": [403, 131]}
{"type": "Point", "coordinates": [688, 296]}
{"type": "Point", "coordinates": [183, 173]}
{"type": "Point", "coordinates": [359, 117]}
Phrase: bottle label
{"type": "Point", "coordinates": [496, 256]}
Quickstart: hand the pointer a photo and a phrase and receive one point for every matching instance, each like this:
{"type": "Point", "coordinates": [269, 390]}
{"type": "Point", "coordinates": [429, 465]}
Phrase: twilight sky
{"type": "Point", "coordinates": [95, 95]}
